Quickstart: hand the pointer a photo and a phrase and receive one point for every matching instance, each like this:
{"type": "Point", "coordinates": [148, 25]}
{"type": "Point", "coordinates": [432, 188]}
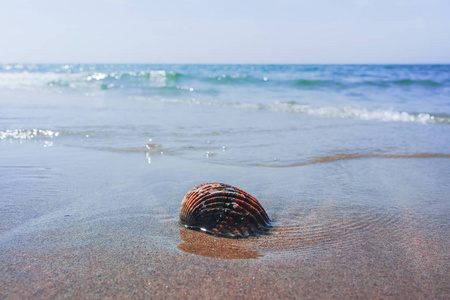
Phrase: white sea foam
{"type": "Point", "coordinates": [344, 112]}
{"type": "Point", "coordinates": [81, 80]}
{"type": "Point", "coordinates": [34, 81]}
{"type": "Point", "coordinates": [27, 134]}
{"type": "Point", "coordinates": [351, 112]}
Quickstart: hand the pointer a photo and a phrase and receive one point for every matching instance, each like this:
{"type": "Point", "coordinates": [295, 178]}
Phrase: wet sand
{"type": "Point", "coordinates": [105, 263]}
{"type": "Point", "coordinates": [361, 228]}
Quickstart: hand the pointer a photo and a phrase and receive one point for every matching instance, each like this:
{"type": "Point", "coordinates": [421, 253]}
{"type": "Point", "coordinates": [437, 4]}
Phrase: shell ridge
{"type": "Point", "coordinates": [224, 210]}
{"type": "Point", "coordinates": [210, 197]}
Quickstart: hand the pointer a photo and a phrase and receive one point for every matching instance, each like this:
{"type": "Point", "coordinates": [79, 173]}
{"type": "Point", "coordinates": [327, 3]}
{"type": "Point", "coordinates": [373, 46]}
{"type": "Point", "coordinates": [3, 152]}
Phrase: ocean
{"type": "Point", "coordinates": [351, 162]}
{"type": "Point", "coordinates": [272, 115]}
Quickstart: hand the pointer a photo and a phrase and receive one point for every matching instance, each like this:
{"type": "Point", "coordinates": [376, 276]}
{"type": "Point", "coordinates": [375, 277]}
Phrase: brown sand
{"type": "Point", "coordinates": [109, 258]}
{"type": "Point", "coordinates": [379, 230]}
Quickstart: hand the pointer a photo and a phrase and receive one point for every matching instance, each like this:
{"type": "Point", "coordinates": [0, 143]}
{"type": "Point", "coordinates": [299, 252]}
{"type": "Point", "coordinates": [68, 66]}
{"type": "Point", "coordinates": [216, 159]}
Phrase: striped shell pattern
{"type": "Point", "coordinates": [223, 210]}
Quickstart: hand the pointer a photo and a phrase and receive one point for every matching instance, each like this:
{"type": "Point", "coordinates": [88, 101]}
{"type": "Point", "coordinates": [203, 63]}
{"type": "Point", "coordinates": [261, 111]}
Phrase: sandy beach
{"type": "Point", "coordinates": [124, 240]}
{"type": "Point", "coordinates": [350, 162]}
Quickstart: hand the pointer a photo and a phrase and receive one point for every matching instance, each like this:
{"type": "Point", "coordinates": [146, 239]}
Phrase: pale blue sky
{"type": "Point", "coordinates": [231, 31]}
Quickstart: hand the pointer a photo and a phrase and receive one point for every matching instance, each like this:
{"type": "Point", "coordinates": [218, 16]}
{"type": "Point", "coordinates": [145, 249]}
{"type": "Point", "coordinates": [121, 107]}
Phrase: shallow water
{"type": "Point", "coordinates": [350, 162]}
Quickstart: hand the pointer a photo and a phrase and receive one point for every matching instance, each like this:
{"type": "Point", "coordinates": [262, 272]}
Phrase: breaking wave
{"type": "Point", "coordinates": [30, 77]}
{"type": "Point", "coordinates": [343, 112]}
{"type": "Point", "coordinates": [351, 112]}
{"type": "Point", "coordinates": [90, 80]}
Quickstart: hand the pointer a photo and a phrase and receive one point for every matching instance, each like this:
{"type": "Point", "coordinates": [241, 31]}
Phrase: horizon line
{"type": "Point", "coordinates": [218, 63]}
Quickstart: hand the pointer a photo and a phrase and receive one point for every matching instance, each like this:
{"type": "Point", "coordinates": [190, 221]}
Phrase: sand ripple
{"type": "Point", "coordinates": [323, 228]}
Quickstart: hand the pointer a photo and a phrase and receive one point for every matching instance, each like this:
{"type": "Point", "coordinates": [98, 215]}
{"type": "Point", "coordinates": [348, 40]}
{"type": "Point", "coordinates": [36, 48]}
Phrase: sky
{"type": "Point", "coordinates": [231, 31]}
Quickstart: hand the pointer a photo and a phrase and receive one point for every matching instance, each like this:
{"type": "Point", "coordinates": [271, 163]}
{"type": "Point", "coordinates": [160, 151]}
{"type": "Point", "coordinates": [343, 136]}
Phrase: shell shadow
{"type": "Point", "coordinates": [206, 245]}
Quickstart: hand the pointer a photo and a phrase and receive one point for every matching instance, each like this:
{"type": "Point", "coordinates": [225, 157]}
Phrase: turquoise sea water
{"type": "Point", "coordinates": [351, 162]}
{"type": "Point", "coordinates": [231, 114]}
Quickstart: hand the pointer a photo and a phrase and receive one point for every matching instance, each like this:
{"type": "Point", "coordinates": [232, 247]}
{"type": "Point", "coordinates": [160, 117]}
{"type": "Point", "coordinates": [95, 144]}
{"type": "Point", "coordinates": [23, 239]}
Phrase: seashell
{"type": "Point", "coordinates": [223, 210]}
